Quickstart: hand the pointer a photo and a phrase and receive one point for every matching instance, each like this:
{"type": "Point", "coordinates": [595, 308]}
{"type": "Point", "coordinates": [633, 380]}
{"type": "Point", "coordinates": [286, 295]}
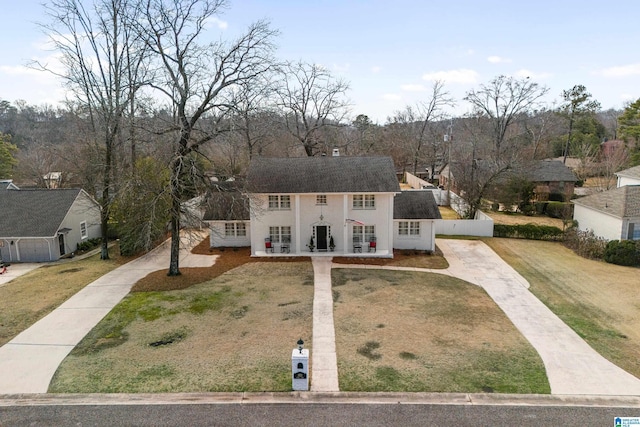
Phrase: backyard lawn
{"type": "Point", "coordinates": [600, 301]}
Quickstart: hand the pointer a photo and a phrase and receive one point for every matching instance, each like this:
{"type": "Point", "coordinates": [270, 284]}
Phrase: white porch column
{"type": "Point", "coordinates": [345, 226]}
{"type": "Point", "coordinates": [391, 225]}
{"type": "Point", "coordinates": [296, 201]}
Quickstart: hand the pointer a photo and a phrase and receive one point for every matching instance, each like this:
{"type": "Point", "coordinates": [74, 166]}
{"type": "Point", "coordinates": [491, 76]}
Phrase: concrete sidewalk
{"type": "Point", "coordinates": [324, 362]}
{"type": "Point", "coordinates": [30, 360]}
{"type": "Point", "coordinates": [573, 367]}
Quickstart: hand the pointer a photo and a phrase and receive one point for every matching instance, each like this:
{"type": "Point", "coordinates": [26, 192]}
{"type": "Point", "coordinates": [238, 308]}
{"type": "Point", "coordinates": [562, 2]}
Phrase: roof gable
{"type": "Point", "coordinates": [633, 172]}
{"type": "Point", "coordinates": [338, 174]}
{"type": "Point", "coordinates": [549, 171]}
{"type": "Point", "coordinates": [622, 202]}
{"type": "Point", "coordinates": [34, 212]}
{"type": "Point", "coordinates": [420, 204]}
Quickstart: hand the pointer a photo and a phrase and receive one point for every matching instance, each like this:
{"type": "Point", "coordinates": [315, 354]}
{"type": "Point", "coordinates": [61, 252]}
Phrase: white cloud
{"type": "Point", "coordinates": [494, 59]}
{"type": "Point", "coordinates": [341, 68]}
{"type": "Point", "coordinates": [524, 73]}
{"type": "Point", "coordinates": [462, 75]}
{"type": "Point", "coordinates": [391, 97]}
{"type": "Point", "coordinates": [217, 22]}
{"type": "Point", "coordinates": [413, 88]}
{"type": "Point", "coordinates": [621, 71]}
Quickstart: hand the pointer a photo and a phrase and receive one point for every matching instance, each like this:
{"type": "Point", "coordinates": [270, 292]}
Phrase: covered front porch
{"type": "Point", "coordinates": [276, 253]}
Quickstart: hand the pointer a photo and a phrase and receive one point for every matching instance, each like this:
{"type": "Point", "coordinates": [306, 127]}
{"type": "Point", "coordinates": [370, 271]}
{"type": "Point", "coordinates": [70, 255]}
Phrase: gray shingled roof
{"type": "Point", "coordinates": [322, 175]}
{"type": "Point", "coordinates": [415, 205]}
{"type": "Point", "coordinates": [622, 202]}
{"type": "Point", "coordinates": [633, 172]}
{"type": "Point", "coordinates": [34, 213]}
{"type": "Point", "coordinates": [225, 202]}
{"type": "Point", "coordinates": [549, 170]}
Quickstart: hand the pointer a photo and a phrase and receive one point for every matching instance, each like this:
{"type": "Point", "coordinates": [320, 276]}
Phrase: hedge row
{"type": "Point", "coordinates": [623, 252]}
{"type": "Point", "coordinates": [528, 231]}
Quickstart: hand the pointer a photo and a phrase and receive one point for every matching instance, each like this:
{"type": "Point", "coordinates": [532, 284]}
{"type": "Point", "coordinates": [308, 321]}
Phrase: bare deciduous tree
{"type": "Point", "coordinates": [503, 100]}
{"type": "Point", "coordinates": [196, 79]}
{"type": "Point", "coordinates": [311, 99]}
{"type": "Point", "coordinates": [96, 51]}
{"type": "Point", "coordinates": [416, 122]}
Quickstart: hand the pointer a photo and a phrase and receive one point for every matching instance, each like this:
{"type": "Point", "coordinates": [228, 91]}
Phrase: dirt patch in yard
{"type": "Point", "coordinates": [227, 259]}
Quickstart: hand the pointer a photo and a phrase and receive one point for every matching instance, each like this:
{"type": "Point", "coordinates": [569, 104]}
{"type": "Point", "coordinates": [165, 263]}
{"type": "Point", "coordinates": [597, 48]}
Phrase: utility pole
{"type": "Point", "coordinates": [449, 138]}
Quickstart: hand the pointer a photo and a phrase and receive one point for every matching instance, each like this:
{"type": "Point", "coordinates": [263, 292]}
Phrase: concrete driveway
{"type": "Point", "coordinates": [573, 367]}
{"type": "Point", "coordinates": [16, 270]}
{"type": "Point", "coordinates": [28, 362]}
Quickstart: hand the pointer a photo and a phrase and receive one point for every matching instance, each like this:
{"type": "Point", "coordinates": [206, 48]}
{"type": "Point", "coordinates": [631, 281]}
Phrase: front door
{"type": "Point", "coordinates": [321, 237]}
{"type": "Point", "coordinates": [61, 243]}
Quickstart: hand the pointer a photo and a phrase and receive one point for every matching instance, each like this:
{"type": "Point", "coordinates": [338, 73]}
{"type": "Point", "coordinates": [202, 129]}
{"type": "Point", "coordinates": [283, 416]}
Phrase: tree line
{"type": "Point", "coordinates": [155, 108]}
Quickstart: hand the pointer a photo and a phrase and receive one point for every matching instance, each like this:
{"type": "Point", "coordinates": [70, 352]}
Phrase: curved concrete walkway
{"type": "Point", "coordinates": [29, 361]}
{"type": "Point", "coordinates": [573, 367]}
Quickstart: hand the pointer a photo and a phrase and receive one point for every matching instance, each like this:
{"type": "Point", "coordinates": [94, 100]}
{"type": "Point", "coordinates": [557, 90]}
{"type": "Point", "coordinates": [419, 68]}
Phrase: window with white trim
{"type": "Point", "coordinates": [364, 232]}
{"type": "Point", "coordinates": [279, 202]}
{"type": "Point", "coordinates": [235, 229]}
{"type": "Point", "coordinates": [279, 234]}
{"type": "Point", "coordinates": [83, 230]}
{"type": "Point", "coordinates": [321, 199]}
{"type": "Point", "coordinates": [409, 228]}
{"type": "Point", "coordinates": [364, 201]}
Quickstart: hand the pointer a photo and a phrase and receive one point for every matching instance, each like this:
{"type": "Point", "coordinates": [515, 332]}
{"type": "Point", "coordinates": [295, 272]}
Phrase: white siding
{"type": "Point", "coordinates": [625, 180]}
{"type": "Point", "coordinates": [305, 213]}
{"type": "Point", "coordinates": [218, 237]}
{"type": "Point", "coordinates": [424, 242]}
{"type": "Point", "coordinates": [602, 225]}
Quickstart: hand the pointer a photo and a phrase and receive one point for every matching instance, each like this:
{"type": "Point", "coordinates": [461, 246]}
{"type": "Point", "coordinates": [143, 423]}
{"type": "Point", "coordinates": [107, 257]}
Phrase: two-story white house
{"type": "Point", "coordinates": [319, 204]}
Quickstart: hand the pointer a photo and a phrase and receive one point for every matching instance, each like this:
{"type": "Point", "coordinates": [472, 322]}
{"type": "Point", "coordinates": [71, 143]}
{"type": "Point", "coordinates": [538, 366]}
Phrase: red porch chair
{"type": "Point", "coordinates": [372, 244]}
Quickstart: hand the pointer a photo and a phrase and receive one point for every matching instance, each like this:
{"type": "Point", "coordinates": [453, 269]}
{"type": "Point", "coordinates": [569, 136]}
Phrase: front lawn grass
{"type": "Point", "coordinates": [599, 301]}
{"type": "Point", "coordinates": [424, 332]}
{"type": "Point", "coordinates": [231, 333]}
{"type": "Point", "coordinates": [28, 298]}
{"type": "Point", "coordinates": [234, 331]}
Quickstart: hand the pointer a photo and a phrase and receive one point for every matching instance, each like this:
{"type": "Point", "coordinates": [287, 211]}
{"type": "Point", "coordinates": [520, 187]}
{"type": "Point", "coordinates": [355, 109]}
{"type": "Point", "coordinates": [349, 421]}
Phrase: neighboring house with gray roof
{"type": "Point", "coordinates": [613, 214]}
{"type": "Point", "coordinates": [551, 177]}
{"type": "Point", "coordinates": [629, 176]}
{"type": "Point", "coordinates": [44, 225]}
{"type": "Point", "coordinates": [548, 176]}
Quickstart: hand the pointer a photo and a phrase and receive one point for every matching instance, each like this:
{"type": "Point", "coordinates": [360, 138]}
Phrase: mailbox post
{"type": "Point", "coordinates": [300, 368]}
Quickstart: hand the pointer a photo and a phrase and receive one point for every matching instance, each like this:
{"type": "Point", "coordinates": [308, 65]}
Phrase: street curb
{"type": "Point", "coordinates": [265, 398]}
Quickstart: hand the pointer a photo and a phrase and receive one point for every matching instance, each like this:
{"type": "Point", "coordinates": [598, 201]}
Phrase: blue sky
{"type": "Point", "coordinates": [391, 51]}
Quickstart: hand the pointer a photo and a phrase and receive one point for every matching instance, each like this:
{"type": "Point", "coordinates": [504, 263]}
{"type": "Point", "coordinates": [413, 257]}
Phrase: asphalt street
{"type": "Point", "coordinates": [312, 414]}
